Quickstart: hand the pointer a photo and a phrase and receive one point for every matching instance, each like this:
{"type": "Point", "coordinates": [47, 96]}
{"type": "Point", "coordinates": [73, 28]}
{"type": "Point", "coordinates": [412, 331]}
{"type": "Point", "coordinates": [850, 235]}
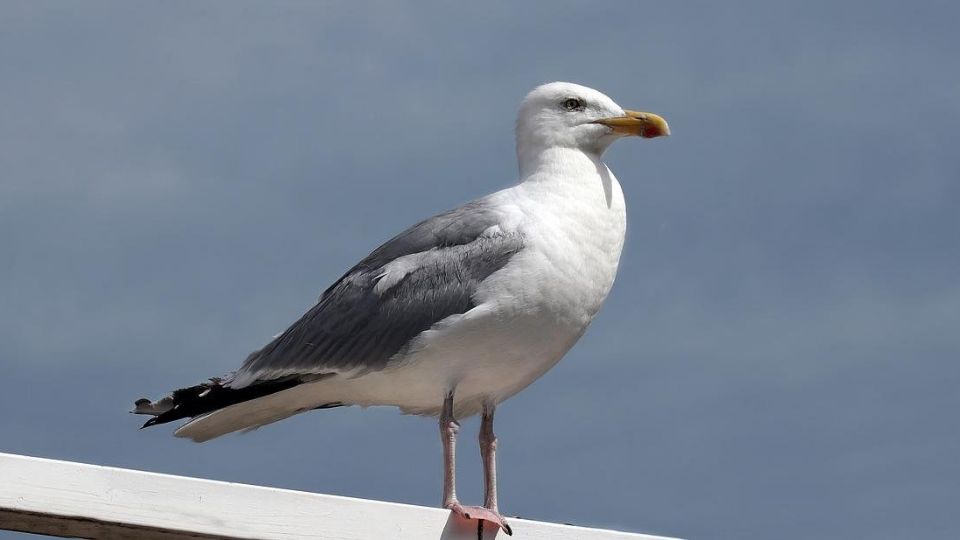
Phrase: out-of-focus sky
{"type": "Point", "coordinates": [778, 358]}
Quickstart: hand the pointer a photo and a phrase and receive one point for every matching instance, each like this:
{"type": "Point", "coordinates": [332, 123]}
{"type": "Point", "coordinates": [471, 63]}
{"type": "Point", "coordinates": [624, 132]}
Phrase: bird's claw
{"type": "Point", "coordinates": [481, 513]}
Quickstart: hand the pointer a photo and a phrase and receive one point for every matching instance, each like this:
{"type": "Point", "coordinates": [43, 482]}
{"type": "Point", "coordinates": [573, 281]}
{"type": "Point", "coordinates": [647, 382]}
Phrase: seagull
{"type": "Point", "coordinates": [459, 312]}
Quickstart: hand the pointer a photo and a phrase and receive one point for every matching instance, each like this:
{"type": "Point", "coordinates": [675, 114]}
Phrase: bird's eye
{"type": "Point", "coordinates": [573, 104]}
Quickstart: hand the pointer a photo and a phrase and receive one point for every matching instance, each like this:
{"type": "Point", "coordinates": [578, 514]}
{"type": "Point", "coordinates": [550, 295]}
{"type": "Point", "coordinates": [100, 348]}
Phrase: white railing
{"type": "Point", "coordinates": [62, 498]}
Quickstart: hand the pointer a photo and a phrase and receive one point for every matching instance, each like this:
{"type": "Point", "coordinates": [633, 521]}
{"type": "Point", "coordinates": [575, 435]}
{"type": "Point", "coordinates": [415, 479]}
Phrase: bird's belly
{"type": "Point", "coordinates": [485, 356]}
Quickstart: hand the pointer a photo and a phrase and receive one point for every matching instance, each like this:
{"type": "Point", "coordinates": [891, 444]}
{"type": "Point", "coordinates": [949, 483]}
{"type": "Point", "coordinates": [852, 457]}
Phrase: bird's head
{"type": "Point", "coordinates": [561, 114]}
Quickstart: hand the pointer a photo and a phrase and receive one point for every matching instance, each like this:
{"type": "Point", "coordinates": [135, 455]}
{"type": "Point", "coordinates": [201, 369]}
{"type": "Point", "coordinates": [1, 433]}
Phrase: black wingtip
{"type": "Point", "coordinates": [210, 396]}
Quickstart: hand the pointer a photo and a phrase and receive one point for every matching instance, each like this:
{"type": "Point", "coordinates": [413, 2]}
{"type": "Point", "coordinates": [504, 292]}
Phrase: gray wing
{"type": "Point", "coordinates": [360, 324]}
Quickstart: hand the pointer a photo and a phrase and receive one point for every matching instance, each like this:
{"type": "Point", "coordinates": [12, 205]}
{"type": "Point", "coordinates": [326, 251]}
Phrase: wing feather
{"type": "Point", "coordinates": [357, 328]}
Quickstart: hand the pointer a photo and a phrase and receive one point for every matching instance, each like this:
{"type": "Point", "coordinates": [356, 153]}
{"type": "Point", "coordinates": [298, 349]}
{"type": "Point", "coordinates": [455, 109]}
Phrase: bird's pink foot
{"type": "Point", "coordinates": [481, 513]}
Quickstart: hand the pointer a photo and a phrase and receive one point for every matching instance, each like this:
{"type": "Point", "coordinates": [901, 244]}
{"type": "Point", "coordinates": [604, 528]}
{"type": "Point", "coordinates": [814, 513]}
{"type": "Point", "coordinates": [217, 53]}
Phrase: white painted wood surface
{"type": "Point", "coordinates": [62, 498]}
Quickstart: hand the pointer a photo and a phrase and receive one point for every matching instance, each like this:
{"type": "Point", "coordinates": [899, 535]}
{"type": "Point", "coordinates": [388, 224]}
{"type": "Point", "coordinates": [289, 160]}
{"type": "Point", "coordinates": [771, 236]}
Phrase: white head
{"type": "Point", "coordinates": [568, 115]}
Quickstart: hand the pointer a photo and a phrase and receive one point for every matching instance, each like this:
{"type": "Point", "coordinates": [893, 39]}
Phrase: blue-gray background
{"type": "Point", "coordinates": [778, 358]}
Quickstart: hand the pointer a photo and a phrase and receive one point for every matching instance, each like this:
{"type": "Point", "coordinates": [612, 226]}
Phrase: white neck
{"type": "Point", "coordinates": [556, 162]}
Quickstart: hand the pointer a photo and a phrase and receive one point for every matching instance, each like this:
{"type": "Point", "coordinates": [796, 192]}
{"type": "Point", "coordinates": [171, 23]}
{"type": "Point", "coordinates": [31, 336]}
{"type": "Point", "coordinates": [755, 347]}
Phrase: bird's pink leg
{"type": "Point", "coordinates": [449, 428]}
{"type": "Point", "coordinates": [448, 436]}
{"type": "Point", "coordinates": [488, 453]}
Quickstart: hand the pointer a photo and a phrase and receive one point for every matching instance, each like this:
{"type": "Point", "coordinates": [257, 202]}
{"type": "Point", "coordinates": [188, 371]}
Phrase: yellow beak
{"type": "Point", "coordinates": [643, 124]}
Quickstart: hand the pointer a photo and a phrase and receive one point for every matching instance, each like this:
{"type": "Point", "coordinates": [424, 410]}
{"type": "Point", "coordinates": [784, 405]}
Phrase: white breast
{"type": "Point", "coordinates": [575, 231]}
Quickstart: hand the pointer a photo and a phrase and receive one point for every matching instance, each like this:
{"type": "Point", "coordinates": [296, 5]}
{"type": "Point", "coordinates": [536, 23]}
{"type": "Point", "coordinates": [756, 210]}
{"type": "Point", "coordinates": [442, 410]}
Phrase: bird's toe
{"type": "Point", "coordinates": [483, 514]}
